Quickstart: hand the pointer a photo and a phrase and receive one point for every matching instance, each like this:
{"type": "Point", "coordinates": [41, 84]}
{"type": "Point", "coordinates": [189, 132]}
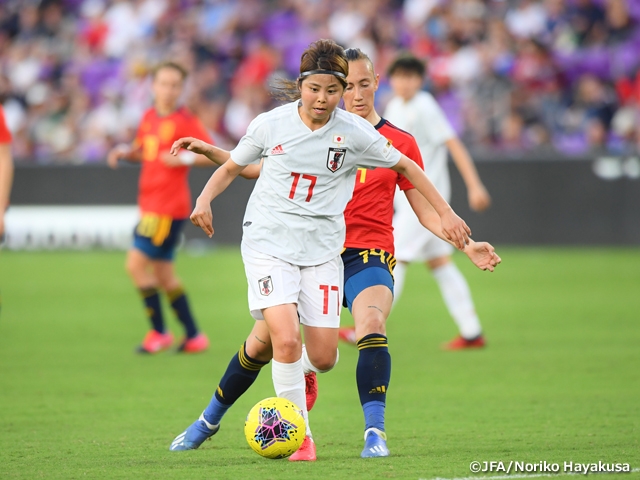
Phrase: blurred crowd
{"type": "Point", "coordinates": [512, 76]}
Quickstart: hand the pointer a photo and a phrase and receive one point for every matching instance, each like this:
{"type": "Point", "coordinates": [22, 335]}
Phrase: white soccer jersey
{"type": "Point", "coordinates": [295, 212]}
{"type": "Point", "coordinates": [423, 118]}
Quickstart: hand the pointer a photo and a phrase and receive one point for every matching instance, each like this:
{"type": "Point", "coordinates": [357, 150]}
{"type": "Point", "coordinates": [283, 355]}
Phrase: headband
{"type": "Point", "coordinates": [323, 72]}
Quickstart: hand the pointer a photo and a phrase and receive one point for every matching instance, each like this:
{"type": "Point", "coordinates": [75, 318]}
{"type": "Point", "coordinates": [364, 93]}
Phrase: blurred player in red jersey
{"type": "Point", "coordinates": [165, 202]}
{"type": "Point", "coordinates": [6, 169]}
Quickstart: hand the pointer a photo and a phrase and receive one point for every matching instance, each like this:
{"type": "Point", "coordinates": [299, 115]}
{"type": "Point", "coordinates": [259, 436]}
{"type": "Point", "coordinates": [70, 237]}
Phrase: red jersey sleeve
{"type": "Point", "coordinates": [5, 134]}
{"type": "Point", "coordinates": [411, 150]}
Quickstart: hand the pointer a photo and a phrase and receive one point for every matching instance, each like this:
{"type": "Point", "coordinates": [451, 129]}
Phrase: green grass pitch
{"type": "Point", "coordinates": [559, 381]}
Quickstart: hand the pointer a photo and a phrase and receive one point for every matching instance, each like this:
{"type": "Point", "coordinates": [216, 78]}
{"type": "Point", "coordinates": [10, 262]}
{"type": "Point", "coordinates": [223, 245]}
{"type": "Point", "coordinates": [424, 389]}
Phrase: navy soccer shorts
{"type": "Point", "coordinates": [364, 268]}
{"type": "Point", "coordinates": [157, 236]}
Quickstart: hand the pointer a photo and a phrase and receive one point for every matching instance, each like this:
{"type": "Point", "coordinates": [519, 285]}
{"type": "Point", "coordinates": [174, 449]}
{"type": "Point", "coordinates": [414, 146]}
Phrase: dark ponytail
{"type": "Point", "coordinates": [322, 56]}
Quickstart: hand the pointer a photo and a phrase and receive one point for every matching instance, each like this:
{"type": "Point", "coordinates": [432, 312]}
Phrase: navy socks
{"type": "Point", "coordinates": [151, 300]}
{"type": "Point", "coordinates": [373, 374]}
{"type": "Point", "coordinates": [180, 305]}
{"type": "Point", "coordinates": [239, 376]}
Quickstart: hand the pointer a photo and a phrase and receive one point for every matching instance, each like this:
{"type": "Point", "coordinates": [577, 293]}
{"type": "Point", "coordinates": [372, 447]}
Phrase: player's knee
{"type": "Point", "coordinates": [326, 361]}
{"type": "Point", "coordinates": [169, 284]}
{"type": "Point", "coordinates": [438, 262]}
{"type": "Point", "coordinates": [289, 345]}
{"type": "Point", "coordinates": [133, 267]}
{"type": "Point", "coordinates": [371, 322]}
{"type": "Point", "coordinates": [263, 352]}
{"type": "Point", "coordinates": [167, 279]}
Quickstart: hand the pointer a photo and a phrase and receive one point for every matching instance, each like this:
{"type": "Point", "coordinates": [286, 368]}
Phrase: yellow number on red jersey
{"type": "Point", "coordinates": [150, 146]}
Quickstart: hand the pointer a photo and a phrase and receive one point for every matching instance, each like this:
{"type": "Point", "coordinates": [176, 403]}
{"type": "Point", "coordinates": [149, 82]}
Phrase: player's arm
{"type": "Point", "coordinates": [201, 161]}
{"type": "Point", "coordinates": [212, 153]}
{"type": "Point", "coordinates": [453, 227]}
{"type": "Point", "coordinates": [479, 198]}
{"type": "Point", "coordinates": [482, 254]}
{"type": "Point", "coordinates": [202, 216]}
{"type": "Point", "coordinates": [426, 214]}
{"type": "Point", "coordinates": [129, 153]}
{"type": "Point", "coordinates": [6, 179]}
{"type": "Point", "coordinates": [185, 158]}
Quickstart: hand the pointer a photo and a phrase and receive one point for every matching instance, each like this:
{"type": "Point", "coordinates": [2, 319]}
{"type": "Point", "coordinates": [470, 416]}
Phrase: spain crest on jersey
{"type": "Point", "coordinates": [266, 286]}
{"type": "Point", "coordinates": [166, 131]}
{"type": "Point", "coordinates": [335, 158]}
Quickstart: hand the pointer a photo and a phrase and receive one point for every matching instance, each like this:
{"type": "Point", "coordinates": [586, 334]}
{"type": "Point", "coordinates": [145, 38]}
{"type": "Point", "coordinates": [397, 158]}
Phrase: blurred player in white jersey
{"type": "Point", "coordinates": [294, 230]}
{"type": "Point", "coordinates": [418, 113]}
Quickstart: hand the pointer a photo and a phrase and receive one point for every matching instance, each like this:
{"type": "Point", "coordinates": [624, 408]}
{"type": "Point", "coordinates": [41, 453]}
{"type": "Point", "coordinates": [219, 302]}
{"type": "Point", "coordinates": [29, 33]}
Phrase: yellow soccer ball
{"type": "Point", "coordinates": [275, 428]}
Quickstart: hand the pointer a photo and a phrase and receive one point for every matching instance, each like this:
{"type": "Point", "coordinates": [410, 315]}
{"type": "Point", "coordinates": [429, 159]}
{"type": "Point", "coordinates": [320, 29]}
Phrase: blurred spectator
{"type": "Point", "coordinates": [528, 19]}
{"type": "Point", "coordinates": [618, 22]}
{"type": "Point", "coordinates": [596, 135]}
{"type": "Point", "coordinates": [512, 133]}
{"type": "Point", "coordinates": [587, 21]}
{"type": "Point", "coordinates": [73, 73]}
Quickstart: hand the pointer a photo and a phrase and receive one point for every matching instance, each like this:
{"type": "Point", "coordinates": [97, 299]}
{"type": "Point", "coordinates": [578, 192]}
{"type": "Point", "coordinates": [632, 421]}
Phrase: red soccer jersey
{"type": "Point", "coordinates": [369, 214]}
{"type": "Point", "coordinates": [5, 134]}
{"type": "Point", "coordinates": [165, 190]}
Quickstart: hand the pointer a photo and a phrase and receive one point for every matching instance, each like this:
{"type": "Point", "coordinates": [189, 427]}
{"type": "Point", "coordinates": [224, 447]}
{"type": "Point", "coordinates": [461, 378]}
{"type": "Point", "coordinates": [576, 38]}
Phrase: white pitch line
{"type": "Point", "coordinates": [534, 475]}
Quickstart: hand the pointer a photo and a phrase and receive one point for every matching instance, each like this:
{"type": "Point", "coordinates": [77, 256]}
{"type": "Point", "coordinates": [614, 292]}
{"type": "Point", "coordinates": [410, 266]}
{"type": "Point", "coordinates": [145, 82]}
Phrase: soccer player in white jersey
{"type": "Point", "coordinates": [418, 113]}
{"type": "Point", "coordinates": [294, 230]}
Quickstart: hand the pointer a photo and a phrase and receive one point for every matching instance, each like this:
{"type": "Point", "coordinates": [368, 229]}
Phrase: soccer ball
{"type": "Point", "coordinates": [275, 428]}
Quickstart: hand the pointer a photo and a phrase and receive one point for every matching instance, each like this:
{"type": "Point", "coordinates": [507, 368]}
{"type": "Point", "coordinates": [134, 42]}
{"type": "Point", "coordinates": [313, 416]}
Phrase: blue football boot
{"type": "Point", "coordinates": [194, 436]}
{"type": "Point", "coordinates": [375, 444]}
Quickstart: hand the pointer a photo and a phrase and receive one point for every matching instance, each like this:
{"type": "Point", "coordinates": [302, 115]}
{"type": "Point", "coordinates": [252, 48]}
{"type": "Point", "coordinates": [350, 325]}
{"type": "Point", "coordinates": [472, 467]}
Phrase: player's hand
{"type": "Point", "coordinates": [189, 143]}
{"type": "Point", "coordinates": [483, 255]}
{"type": "Point", "coordinates": [116, 153]}
{"type": "Point", "coordinates": [202, 216]}
{"type": "Point", "coordinates": [455, 229]}
{"type": "Point", "coordinates": [479, 199]}
{"type": "Point", "coordinates": [1, 225]}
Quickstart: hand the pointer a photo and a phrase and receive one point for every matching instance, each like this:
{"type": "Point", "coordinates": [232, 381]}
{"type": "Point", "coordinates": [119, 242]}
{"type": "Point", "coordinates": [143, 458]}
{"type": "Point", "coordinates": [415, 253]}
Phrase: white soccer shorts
{"type": "Point", "coordinates": [413, 242]}
{"type": "Point", "coordinates": [317, 290]}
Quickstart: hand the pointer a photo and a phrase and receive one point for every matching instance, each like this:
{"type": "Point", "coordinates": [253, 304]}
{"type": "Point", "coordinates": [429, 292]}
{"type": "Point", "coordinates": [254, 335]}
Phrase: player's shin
{"type": "Point", "coordinates": [288, 382]}
{"type": "Point", "coordinates": [373, 374]}
{"type": "Point", "coordinates": [180, 306]}
{"type": "Point", "coordinates": [151, 300]}
{"type": "Point", "coordinates": [310, 371]}
{"type": "Point", "coordinates": [457, 296]}
{"type": "Point", "coordinates": [241, 372]}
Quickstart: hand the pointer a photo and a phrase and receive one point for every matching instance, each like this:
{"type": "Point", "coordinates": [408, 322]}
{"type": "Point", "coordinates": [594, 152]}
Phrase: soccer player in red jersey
{"type": "Point", "coordinates": [164, 200]}
{"type": "Point", "coordinates": [6, 169]}
{"type": "Point", "coordinates": [368, 256]}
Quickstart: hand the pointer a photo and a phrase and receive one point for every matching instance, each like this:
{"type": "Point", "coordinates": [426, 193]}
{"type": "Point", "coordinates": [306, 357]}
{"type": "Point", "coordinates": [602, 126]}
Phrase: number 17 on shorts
{"type": "Point", "coordinates": [321, 294]}
{"type": "Point", "coordinates": [316, 290]}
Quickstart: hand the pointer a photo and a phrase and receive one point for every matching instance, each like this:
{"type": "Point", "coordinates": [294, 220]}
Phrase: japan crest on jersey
{"type": "Point", "coordinates": [266, 285]}
{"type": "Point", "coordinates": [335, 158]}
